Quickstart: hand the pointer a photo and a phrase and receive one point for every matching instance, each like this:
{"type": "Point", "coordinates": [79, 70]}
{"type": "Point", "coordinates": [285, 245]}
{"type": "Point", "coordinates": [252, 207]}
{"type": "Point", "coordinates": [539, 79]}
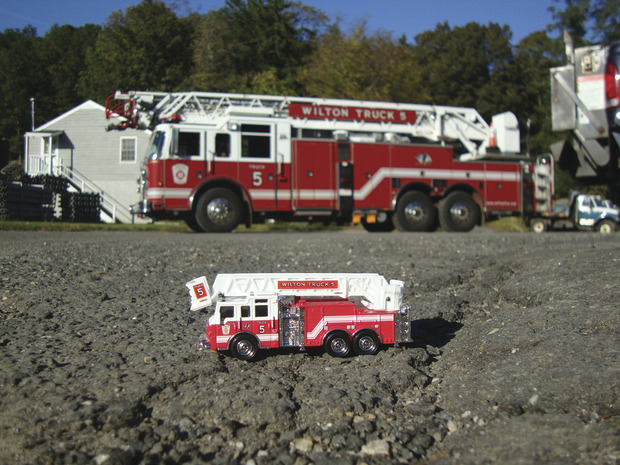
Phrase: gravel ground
{"type": "Point", "coordinates": [516, 356]}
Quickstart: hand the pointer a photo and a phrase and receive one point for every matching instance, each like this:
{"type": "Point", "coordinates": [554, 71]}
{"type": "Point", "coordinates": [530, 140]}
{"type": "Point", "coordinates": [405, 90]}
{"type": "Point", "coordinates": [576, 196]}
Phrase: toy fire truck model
{"type": "Point", "coordinates": [272, 310]}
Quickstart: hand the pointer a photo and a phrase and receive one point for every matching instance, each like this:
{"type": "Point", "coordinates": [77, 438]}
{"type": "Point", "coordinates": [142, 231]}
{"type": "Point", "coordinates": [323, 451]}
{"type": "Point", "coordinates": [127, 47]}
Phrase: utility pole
{"type": "Point", "coordinates": [32, 111]}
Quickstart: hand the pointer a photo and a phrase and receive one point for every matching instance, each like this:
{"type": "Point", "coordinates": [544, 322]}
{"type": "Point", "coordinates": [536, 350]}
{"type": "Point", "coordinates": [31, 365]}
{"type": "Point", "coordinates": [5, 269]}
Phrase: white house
{"type": "Point", "coordinates": [77, 146]}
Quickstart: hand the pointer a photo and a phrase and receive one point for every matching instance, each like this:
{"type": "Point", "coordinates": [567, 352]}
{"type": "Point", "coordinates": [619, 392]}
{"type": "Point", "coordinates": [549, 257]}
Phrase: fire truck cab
{"type": "Point", "coordinates": [268, 311]}
{"type": "Point", "coordinates": [218, 160]}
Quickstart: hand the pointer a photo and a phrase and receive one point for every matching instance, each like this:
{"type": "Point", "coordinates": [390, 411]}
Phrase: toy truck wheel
{"type": "Point", "coordinates": [366, 343]}
{"type": "Point", "coordinates": [338, 344]}
{"type": "Point", "coordinates": [218, 210]}
{"type": "Point", "coordinates": [415, 212]}
{"type": "Point", "coordinates": [458, 212]}
{"type": "Point", "coordinates": [606, 227]}
{"type": "Point", "coordinates": [244, 347]}
{"type": "Point", "coordinates": [538, 225]}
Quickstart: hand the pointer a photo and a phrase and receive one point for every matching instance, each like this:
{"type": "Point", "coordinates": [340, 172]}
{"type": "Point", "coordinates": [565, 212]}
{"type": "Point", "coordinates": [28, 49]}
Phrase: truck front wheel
{"type": "Point", "coordinates": [606, 227]}
{"type": "Point", "coordinates": [218, 210]}
{"type": "Point", "coordinates": [244, 347]}
{"type": "Point", "coordinates": [458, 212]}
{"type": "Point", "coordinates": [538, 225]}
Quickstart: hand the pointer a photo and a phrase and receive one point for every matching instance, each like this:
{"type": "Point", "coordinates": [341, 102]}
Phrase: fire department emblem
{"type": "Point", "coordinates": [226, 329]}
{"type": "Point", "coordinates": [179, 173]}
{"type": "Point", "coordinates": [424, 159]}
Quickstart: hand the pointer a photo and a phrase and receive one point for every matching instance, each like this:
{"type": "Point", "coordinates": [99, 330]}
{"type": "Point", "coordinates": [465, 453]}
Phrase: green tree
{"type": "Point", "coordinates": [22, 76]}
{"type": "Point", "coordinates": [254, 45]}
{"type": "Point", "coordinates": [587, 21]}
{"type": "Point", "coordinates": [358, 66]}
{"type": "Point", "coordinates": [64, 54]}
{"type": "Point", "coordinates": [145, 48]}
{"type": "Point", "coordinates": [457, 65]}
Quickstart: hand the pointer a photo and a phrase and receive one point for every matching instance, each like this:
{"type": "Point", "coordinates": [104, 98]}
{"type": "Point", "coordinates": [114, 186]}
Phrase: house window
{"type": "Point", "coordinates": [128, 149]}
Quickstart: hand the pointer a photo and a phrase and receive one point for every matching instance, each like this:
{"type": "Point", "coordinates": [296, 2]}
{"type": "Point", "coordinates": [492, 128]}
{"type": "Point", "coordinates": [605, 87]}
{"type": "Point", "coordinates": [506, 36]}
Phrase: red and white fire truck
{"type": "Point", "coordinates": [218, 160]}
{"type": "Point", "coordinates": [272, 310]}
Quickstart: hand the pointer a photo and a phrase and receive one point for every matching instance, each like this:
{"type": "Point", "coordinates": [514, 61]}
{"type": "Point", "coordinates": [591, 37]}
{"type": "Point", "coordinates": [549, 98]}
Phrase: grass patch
{"type": "Point", "coordinates": [508, 224]}
{"type": "Point", "coordinates": [162, 226]}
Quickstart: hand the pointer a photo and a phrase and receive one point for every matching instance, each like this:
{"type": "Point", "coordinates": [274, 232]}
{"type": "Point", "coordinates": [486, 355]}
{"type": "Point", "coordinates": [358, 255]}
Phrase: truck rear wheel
{"type": "Point", "coordinates": [338, 344]}
{"type": "Point", "coordinates": [244, 347]}
{"type": "Point", "coordinates": [415, 212]}
{"type": "Point", "coordinates": [218, 210]}
{"type": "Point", "coordinates": [458, 212]}
{"type": "Point", "coordinates": [366, 343]}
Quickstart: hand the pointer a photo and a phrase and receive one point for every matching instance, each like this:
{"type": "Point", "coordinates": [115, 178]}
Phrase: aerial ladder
{"type": "Point", "coordinates": [432, 123]}
{"type": "Point", "coordinates": [377, 292]}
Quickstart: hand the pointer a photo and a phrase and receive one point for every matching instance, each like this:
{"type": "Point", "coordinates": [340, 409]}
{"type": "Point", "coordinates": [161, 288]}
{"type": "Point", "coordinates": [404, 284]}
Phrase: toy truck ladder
{"type": "Point", "coordinates": [142, 110]}
{"type": "Point", "coordinates": [377, 292]}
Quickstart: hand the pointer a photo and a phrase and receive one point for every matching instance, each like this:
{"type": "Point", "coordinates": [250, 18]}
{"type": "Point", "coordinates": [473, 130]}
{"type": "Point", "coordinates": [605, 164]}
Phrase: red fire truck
{"type": "Point", "coordinates": [272, 310]}
{"type": "Point", "coordinates": [218, 160]}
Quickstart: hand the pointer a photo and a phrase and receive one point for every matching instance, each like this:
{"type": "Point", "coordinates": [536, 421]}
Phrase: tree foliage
{"type": "Point", "coordinates": [146, 47]}
{"type": "Point", "coordinates": [358, 66]}
{"type": "Point", "coordinates": [587, 21]}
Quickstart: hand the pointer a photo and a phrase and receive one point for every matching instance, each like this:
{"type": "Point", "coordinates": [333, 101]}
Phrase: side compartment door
{"type": "Point", "coordinates": [502, 187]}
{"type": "Point", "coordinates": [314, 177]}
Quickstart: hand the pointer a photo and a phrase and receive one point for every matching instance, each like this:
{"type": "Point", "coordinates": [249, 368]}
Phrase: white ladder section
{"type": "Point", "coordinates": [377, 292]}
{"type": "Point", "coordinates": [432, 122]}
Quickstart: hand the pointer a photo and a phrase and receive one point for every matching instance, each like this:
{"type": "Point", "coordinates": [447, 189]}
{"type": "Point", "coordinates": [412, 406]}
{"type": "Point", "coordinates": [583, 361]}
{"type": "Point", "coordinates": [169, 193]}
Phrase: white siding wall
{"type": "Point", "coordinates": [96, 153]}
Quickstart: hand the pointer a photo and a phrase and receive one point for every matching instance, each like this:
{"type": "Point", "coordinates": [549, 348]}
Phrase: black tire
{"type": "Point", "coordinates": [386, 226]}
{"type": "Point", "coordinates": [193, 224]}
{"type": "Point", "coordinates": [606, 227]}
{"type": "Point", "coordinates": [366, 343]}
{"type": "Point", "coordinates": [244, 347]}
{"type": "Point", "coordinates": [538, 225]}
{"type": "Point", "coordinates": [415, 212]}
{"type": "Point", "coordinates": [218, 210]}
{"type": "Point", "coordinates": [458, 212]}
{"type": "Point", "coordinates": [338, 344]}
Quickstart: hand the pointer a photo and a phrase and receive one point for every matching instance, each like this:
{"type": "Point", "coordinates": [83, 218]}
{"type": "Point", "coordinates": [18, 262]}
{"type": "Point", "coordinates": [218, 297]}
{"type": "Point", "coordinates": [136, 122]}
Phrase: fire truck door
{"type": "Point", "coordinates": [314, 180]}
{"type": "Point", "coordinates": [264, 323]}
{"type": "Point", "coordinates": [185, 167]}
{"type": "Point", "coordinates": [257, 164]}
{"type": "Point", "coordinates": [228, 327]}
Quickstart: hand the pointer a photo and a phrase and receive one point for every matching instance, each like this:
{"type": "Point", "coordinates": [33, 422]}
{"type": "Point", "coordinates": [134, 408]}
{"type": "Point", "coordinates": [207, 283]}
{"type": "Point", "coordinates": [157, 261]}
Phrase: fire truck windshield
{"type": "Point", "coordinates": [157, 142]}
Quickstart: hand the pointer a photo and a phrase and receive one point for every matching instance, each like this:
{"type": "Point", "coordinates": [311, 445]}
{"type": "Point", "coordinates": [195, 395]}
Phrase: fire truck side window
{"type": "Point", "coordinates": [226, 311]}
{"type": "Point", "coordinates": [189, 144]}
{"type": "Point", "coordinates": [255, 141]}
{"type": "Point", "coordinates": [245, 311]}
{"type": "Point", "coordinates": [222, 145]}
{"type": "Point", "coordinates": [261, 309]}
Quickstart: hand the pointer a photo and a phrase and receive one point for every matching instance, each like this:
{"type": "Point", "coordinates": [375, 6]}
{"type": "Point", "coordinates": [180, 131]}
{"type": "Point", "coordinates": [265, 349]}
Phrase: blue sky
{"type": "Point", "coordinates": [409, 17]}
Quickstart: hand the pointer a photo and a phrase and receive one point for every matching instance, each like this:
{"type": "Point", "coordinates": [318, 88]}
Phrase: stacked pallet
{"type": "Point", "coordinates": [46, 198]}
{"type": "Point", "coordinates": [79, 207]}
{"type": "Point", "coordinates": [19, 201]}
